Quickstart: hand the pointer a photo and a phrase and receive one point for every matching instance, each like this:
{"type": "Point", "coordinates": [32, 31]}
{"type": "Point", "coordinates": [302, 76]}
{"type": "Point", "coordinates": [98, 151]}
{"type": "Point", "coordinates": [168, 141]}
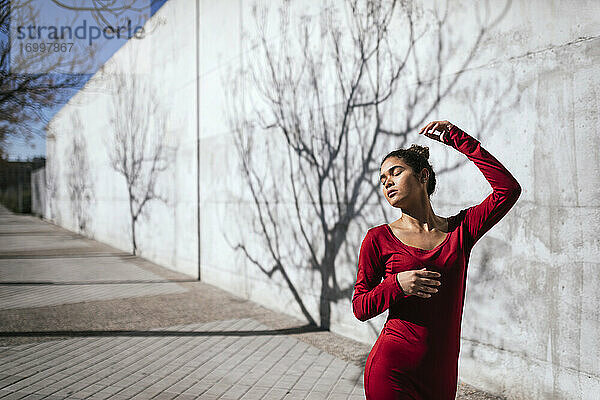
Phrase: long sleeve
{"type": "Point", "coordinates": [372, 296]}
{"type": "Point", "coordinates": [506, 190]}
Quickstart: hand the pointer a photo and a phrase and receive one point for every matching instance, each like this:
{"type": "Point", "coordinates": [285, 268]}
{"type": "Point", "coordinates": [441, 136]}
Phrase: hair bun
{"type": "Point", "coordinates": [422, 150]}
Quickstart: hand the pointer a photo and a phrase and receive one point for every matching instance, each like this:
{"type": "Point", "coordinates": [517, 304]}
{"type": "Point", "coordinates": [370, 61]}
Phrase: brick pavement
{"type": "Point", "coordinates": [81, 320]}
{"type": "Point", "coordinates": [189, 361]}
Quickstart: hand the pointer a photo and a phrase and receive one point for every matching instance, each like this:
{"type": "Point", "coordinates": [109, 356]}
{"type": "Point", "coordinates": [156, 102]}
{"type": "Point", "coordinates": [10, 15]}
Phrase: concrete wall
{"type": "Point", "coordinates": [529, 91]}
{"type": "Point", "coordinates": [89, 196]}
{"type": "Point", "coordinates": [527, 88]}
{"type": "Point", "coordinates": [38, 191]}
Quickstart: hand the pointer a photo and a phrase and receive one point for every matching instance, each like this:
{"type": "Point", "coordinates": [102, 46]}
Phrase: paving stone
{"type": "Point", "coordinates": [146, 369]}
{"type": "Point", "coordinates": [12, 395]}
{"type": "Point", "coordinates": [316, 396]}
{"type": "Point", "coordinates": [164, 396]}
{"type": "Point", "coordinates": [255, 393]}
{"type": "Point", "coordinates": [276, 394]}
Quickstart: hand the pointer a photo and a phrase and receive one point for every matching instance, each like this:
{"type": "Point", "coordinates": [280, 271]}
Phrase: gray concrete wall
{"type": "Point", "coordinates": [527, 87]}
{"type": "Point", "coordinates": [38, 191]}
{"type": "Point", "coordinates": [86, 194]}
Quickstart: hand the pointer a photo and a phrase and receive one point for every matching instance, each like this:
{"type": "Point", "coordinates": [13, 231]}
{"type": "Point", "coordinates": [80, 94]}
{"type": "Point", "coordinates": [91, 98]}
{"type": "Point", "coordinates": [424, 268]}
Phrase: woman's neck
{"type": "Point", "coordinates": [420, 218]}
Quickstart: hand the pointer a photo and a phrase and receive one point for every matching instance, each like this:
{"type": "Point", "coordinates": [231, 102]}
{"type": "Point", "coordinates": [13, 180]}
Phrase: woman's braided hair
{"type": "Point", "coordinates": [417, 157]}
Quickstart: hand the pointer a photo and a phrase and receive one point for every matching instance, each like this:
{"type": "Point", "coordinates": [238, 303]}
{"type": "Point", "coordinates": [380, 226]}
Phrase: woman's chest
{"type": "Point", "coordinates": [404, 261]}
{"type": "Point", "coordinates": [429, 240]}
{"type": "Point", "coordinates": [445, 258]}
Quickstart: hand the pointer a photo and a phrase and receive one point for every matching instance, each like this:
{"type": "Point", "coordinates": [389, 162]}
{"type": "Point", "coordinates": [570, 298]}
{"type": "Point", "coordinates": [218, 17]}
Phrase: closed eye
{"type": "Point", "coordinates": [395, 171]}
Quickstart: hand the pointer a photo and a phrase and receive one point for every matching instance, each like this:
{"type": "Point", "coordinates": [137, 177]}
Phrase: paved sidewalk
{"type": "Point", "coordinates": [82, 320]}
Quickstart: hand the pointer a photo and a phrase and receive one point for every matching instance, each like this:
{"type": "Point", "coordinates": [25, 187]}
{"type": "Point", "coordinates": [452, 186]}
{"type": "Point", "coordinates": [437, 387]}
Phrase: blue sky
{"type": "Point", "coordinates": [21, 149]}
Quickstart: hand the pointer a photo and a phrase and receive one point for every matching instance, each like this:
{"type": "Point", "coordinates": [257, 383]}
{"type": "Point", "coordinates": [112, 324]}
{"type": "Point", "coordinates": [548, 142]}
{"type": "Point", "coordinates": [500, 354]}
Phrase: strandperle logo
{"type": "Point", "coordinates": [75, 36]}
{"type": "Point", "coordinates": [83, 31]}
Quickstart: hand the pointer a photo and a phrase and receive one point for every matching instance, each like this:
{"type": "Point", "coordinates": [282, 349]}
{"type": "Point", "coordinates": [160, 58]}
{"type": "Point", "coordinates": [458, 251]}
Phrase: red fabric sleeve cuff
{"type": "Point", "coordinates": [447, 135]}
{"type": "Point", "coordinates": [402, 294]}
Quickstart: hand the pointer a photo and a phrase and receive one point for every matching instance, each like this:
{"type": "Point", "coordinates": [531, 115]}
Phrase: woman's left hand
{"type": "Point", "coordinates": [431, 128]}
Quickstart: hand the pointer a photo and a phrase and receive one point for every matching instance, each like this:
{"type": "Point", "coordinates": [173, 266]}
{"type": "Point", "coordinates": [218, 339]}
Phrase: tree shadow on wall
{"type": "Point", "coordinates": [321, 117]}
{"type": "Point", "coordinates": [138, 151]}
{"type": "Point", "coordinates": [79, 182]}
{"type": "Point", "coordinates": [53, 171]}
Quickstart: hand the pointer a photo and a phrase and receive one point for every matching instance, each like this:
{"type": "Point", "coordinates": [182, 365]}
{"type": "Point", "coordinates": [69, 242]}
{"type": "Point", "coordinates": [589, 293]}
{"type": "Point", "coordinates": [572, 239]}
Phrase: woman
{"type": "Point", "coordinates": [417, 267]}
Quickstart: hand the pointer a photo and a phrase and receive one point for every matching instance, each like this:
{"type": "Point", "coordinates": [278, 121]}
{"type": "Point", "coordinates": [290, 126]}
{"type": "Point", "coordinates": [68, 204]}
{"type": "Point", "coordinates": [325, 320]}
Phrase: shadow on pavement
{"type": "Point", "coordinates": [103, 333]}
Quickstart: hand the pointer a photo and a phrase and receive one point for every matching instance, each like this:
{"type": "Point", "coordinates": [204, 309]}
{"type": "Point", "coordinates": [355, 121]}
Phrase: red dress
{"type": "Point", "coordinates": [416, 354]}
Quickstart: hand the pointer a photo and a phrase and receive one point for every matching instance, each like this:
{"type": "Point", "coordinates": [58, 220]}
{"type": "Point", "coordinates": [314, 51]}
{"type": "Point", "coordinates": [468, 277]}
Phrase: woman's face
{"type": "Point", "coordinates": [398, 181]}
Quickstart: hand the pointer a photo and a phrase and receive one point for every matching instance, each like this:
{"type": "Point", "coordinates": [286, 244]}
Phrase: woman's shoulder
{"type": "Point", "coordinates": [376, 231]}
{"type": "Point", "coordinates": [377, 228]}
{"type": "Point", "coordinates": [456, 220]}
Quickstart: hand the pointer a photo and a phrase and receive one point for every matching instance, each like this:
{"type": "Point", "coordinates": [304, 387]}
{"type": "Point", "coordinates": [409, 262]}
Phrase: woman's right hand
{"type": "Point", "coordinates": [431, 128]}
{"type": "Point", "coordinates": [418, 282]}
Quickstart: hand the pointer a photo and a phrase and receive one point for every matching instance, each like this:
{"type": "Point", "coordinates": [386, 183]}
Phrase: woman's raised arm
{"type": "Point", "coordinates": [505, 188]}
